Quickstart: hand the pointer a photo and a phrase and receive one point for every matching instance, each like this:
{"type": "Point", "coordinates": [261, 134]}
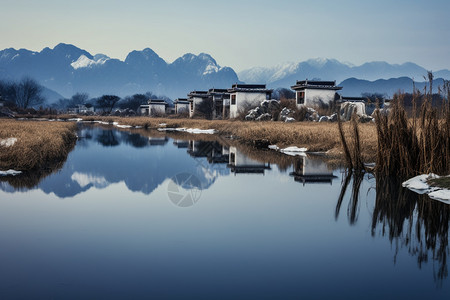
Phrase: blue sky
{"type": "Point", "coordinates": [239, 34]}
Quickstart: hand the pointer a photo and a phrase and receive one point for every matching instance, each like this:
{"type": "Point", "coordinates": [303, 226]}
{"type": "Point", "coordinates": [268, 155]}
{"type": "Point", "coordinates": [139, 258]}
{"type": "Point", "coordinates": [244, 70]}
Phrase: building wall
{"type": "Point", "coordinates": [245, 100]}
{"type": "Point", "coordinates": [314, 97]}
{"type": "Point", "coordinates": [196, 101]}
{"type": "Point", "coordinates": [157, 109]}
{"type": "Point", "coordinates": [181, 108]}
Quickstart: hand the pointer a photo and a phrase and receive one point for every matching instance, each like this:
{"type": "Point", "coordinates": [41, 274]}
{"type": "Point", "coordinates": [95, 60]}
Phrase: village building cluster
{"type": "Point", "coordinates": [229, 103]}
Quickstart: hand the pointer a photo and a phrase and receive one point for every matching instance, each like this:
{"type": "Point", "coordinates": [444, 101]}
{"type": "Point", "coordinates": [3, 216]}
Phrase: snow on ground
{"type": "Point", "coordinates": [10, 172]}
{"type": "Point", "coordinates": [190, 130]}
{"type": "Point", "coordinates": [8, 142]}
{"type": "Point", "coordinates": [419, 185]}
{"type": "Point", "coordinates": [292, 151]}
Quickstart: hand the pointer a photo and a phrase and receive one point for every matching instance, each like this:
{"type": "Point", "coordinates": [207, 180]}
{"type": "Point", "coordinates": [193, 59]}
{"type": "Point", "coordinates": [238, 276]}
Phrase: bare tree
{"type": "Point", "coordinates": [107, 102]}
{"type": "Point", "coordinates": [27, 93]}
{"type": "Point", "coordinates": [78, 99]}
{"type": "Point", "coordinates": [205, 109]}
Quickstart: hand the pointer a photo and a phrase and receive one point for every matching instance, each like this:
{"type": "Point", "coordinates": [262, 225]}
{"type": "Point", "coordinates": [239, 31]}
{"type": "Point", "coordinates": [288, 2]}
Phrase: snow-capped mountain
{"type": "Point", "coordinates": [285, 75]}
{"type": "Point", "coordinates": [67, 69]}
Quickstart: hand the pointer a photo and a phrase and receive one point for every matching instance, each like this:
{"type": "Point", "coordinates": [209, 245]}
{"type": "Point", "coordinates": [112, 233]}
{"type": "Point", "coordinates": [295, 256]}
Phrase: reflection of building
{"type": "Point", "coordinates": [157, 141]}
{"type": "Point", "coordinates": [213, 151]}
{"type": "Point", "coordinates": [181, 143]}
{"type": "Point", "coordinates": [239, 163]}
{"type": "Point", "coordinates": [308, 170]}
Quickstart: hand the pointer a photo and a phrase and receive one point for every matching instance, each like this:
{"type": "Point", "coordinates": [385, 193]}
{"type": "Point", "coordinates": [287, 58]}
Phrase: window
{"type": "Point", "coordinates": [233, 99]}
{"type": "Point", "coordinates": [301, 97]}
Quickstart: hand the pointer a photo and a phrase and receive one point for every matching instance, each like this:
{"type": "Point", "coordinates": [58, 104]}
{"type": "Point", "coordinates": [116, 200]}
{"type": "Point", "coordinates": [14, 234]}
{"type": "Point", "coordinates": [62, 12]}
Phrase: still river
{"type": "Point", "coordinates": [137, 214]}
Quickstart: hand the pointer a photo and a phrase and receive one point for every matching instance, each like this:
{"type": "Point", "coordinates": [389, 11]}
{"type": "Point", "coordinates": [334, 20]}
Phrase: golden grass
{"type": "Point", "coordinates": [38, 145]}
{"type": "Point", "coordinates": [317, 137]}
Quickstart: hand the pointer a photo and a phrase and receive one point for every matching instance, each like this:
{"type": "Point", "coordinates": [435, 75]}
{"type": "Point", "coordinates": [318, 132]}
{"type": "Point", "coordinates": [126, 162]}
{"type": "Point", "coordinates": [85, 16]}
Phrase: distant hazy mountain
{"type": "Point", "coordinates": [353, 87]}
{"type": "Point", "coordinates": [67, 69]}
{"type": "Point", "coordinates": [285, 75]}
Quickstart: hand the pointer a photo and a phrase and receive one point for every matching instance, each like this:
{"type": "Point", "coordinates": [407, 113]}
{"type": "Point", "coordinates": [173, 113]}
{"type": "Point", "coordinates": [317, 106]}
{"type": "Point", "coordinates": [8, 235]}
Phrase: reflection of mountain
{"type": "Point", "coordinates": [142, 163]}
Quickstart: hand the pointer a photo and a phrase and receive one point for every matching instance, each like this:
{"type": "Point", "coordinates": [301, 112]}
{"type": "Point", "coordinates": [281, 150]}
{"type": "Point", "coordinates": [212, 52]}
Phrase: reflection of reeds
{"type": "Point", "coordinates": [413, 221]}
{"type": "Point", "coordinates": [353, 205]}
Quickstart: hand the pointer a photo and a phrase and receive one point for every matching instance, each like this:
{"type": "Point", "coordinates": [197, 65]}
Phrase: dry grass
{"type": "Point", "coordinates": [38, 145]}
{"type": "Point", "coordinates": [408, 147]}
{"type": "Point", "coordinates": [317, 137]}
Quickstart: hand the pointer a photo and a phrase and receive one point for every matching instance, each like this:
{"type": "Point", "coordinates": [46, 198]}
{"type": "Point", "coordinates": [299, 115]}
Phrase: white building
{"type": "Point", "coordinates": [219, 98]}
{"type": "Point", "coordinates": [245, 96]}
{"type": "Point", "coordinates": [195, 98]}
{"type": "Point", "coordinates": [315, 93]}
{"type": "Point", "coordinates": [155, 107]}
{"type": "Point", "coordinates": [181, 106]}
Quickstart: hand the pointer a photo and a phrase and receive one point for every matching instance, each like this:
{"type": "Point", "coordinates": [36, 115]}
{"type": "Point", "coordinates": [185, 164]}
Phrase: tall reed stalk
{"type": "Point", "coordinates": [409, 147]}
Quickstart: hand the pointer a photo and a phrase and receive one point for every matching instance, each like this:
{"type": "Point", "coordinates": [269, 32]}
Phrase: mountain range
{"type": "Point", "coordinates": [285, 75]}
{"type": "Point", "coordinates": [67, 69]}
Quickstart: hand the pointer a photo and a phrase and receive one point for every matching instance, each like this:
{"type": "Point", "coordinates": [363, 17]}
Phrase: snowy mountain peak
{"type": "Point", "coordinates": [84, 62]}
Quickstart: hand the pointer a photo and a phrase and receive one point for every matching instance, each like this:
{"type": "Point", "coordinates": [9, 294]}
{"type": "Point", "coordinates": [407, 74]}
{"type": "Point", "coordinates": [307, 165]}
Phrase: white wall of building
{"type": "Point", "coordinates": [157, 109]}
{"type": "Point", "coordinates": [182, 108]}
{"type": "Point", "coordinates": [196, 101]}
{"type": "Point", "coordinates": [245, 100]}
{"type": "Point", "coordinates": [314, 97]}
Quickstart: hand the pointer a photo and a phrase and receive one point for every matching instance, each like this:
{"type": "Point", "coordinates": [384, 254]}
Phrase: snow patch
{"type": "Point", "coordinates": [419, 185]}
{"type": "Point", "coordinates": [292, 151]}
{"type": "Point", "coordinates": [10, 172]}
{"type": "Point", "coordinates": [8, 142]}
{"type": "Point", "coordinates": [123, 126]}
{"type": "Point", "coordinates": [190, 130]}
{"type": "Point", "coordinates": [84, 62]}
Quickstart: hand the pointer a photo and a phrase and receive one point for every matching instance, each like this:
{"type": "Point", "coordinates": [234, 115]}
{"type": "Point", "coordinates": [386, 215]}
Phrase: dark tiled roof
{"type": "Point", "coordinates": [198, 94]}
{"type": "Point", "coordinates": [249, 88]}
{"type": "Point", "coordinates": [157, 101]}
{"type": "Point", "coordinates": [315, 84]}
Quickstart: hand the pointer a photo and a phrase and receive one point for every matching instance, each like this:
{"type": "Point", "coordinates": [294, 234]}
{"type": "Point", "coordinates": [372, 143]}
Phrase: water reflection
{"type": "Point", "coordinates": [277, 233]}
{"type": "Point", "coordinates": [409, 220]}
{"type": "Point", "coordinates": [312, 170]}
{"type": "Point", "coordinates": [240, 163]}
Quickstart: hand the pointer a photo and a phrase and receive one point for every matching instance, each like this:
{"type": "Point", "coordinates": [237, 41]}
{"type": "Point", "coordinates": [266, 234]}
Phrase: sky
{"type": "Point", "coordinates": [238, 33]}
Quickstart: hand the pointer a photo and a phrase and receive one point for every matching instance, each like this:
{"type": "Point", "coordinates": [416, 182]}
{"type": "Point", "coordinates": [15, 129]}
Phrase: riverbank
{"type": "Point", "coordinates": [316, 137]}
{"type": "Point", "coordinates": [34, 145]}
{"type": "Point", "coordinates": [39, 142]}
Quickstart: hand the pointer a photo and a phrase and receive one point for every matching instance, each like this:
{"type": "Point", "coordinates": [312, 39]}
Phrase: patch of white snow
{"type": "Point", "coordinates": [10, 172]}
{"type": "Point", "coordinates": [8, 142]}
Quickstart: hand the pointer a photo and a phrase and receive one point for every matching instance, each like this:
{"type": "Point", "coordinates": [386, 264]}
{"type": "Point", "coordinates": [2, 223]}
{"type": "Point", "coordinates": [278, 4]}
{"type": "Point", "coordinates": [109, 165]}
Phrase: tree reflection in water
{"type": "Point", "coordinates": [409, 220]}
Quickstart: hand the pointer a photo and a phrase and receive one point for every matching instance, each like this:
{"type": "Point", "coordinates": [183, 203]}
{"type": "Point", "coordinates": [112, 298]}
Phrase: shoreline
{"type": "Point", "coordinates": [315, 137]}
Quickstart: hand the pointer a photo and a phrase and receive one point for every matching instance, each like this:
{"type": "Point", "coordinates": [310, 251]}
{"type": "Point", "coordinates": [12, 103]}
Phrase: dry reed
{"type": "Point", "coordinates": [38, 143]}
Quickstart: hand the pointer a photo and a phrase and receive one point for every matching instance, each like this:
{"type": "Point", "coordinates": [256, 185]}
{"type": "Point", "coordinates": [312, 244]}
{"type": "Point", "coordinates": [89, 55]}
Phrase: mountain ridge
{"type": "Point", "coordinates": [68, 69]}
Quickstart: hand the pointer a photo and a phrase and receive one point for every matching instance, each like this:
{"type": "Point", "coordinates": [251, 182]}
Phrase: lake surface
{"type": "Point", "coordinates": [176, 217]}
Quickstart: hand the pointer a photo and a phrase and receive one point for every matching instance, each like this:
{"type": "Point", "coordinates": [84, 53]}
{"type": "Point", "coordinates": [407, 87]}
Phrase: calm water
{"type": "Point", "coordinates": [132, 216]}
